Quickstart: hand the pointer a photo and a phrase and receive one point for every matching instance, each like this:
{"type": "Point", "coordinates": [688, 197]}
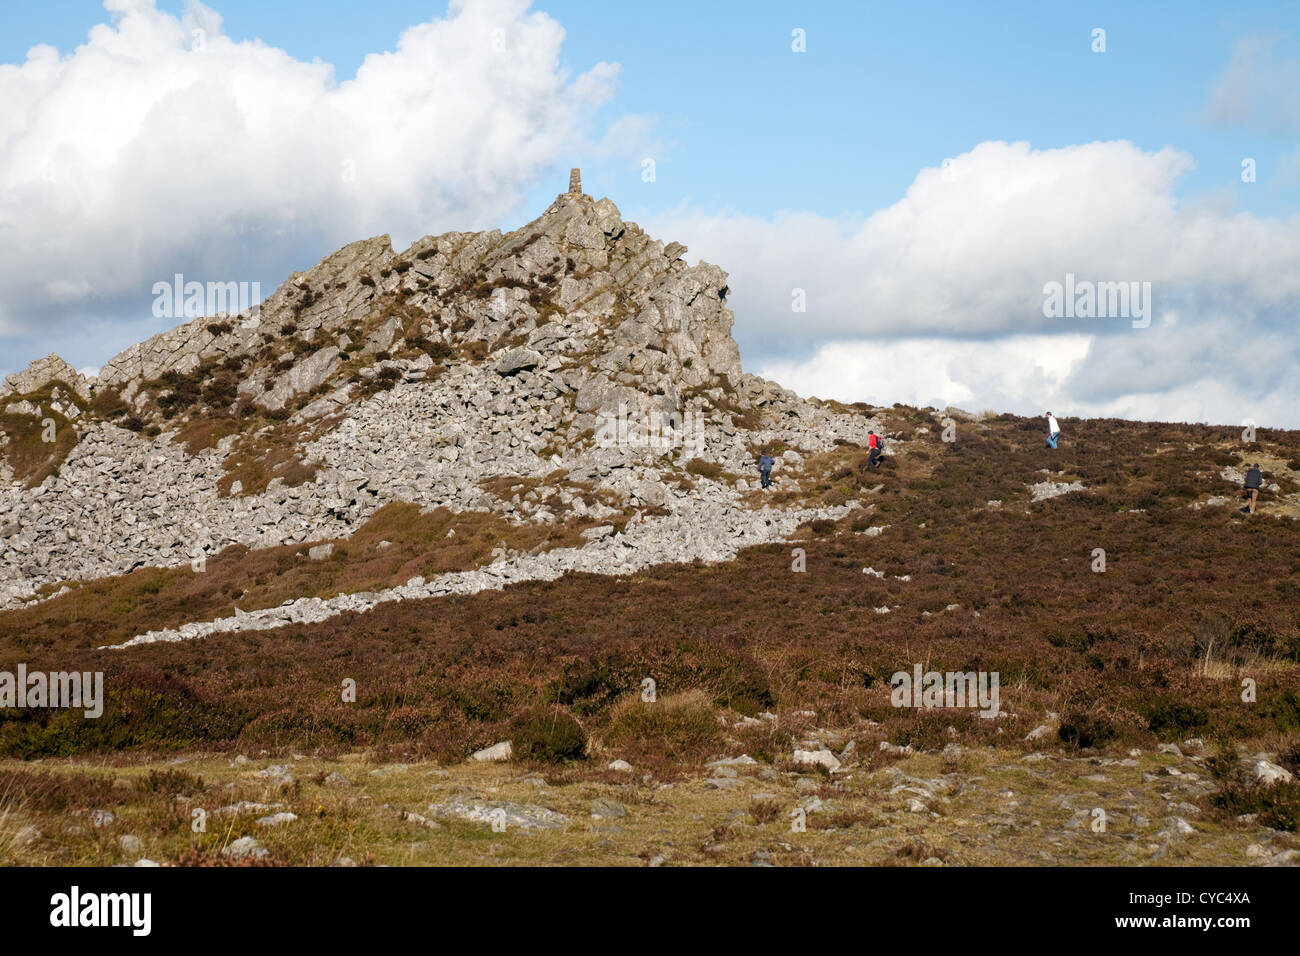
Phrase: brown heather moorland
{"type": "Point", "coordinates": [1193, 600]}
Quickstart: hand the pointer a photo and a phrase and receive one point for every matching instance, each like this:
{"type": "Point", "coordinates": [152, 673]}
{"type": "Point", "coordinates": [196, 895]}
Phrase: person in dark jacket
{"type": "Point", "coordinates": [765, 463]}
{"type": "Point", "coordinates": [1254, 481]}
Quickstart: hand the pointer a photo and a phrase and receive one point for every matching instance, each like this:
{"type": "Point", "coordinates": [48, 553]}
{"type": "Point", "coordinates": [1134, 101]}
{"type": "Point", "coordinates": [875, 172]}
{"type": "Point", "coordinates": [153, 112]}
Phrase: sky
{"type": "Point", "coordinates": [895, 190]}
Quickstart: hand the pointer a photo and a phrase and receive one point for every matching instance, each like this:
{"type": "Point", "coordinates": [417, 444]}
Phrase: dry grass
{"type": "Point", "coordinates": [679, 729]}
{"type": "Point", "coordinates": [258, 459]}
{"type": "Point", "coordinates": [1004, 811]}
{"type": "Point", "coordinates": [31, 457]}
{"type": "Point", "coordinates": [205, 432]}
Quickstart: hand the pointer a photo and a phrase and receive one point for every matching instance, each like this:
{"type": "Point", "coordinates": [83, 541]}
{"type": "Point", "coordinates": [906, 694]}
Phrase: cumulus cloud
{"type": "Point", "coordinates": [948, 286]}
{"type": "Point", "coordinates": [1073, 375]}
{"type": "Point", "coordinates": [161, 145]}
{"type": "Point", "coordinates": [938, 372]}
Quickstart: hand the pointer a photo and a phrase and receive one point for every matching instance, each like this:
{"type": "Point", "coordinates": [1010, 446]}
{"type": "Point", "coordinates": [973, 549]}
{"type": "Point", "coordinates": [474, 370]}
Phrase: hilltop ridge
{"type": "Point", "coordinates": [576, 352]}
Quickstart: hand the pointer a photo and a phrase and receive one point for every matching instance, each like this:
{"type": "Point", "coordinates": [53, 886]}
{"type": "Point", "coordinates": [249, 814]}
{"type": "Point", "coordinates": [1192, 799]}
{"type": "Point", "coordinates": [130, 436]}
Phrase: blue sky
{"type": "Point", "coordinates": [752, 138]}
{"type": "Point", "coordinates": [883, 90]}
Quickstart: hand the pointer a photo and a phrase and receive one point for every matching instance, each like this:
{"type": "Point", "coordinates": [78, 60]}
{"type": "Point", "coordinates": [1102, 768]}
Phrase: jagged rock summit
{"type": "Point", "coordinates": [420, 376]}
{"type": "Point", "coordinates": [578, 272]}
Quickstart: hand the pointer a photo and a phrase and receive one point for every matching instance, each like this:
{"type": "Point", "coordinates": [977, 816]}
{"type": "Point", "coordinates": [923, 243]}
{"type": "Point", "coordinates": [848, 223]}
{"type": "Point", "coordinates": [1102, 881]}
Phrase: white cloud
{"type": "Point", "coordinates": [634, 135]}
{"type": "Point", "coordinates": [1017, 373]}
{"type": "Point", "coordinates": [161, 145]}
{"type": "Point", "coordinates": [1028, 374]}
{"type": "Point", "coordinates": [958, 265]}
{"type": "Point", "coordinates": [1258, 90]}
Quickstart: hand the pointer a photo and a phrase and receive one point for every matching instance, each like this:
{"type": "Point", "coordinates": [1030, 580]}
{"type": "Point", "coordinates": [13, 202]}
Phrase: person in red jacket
{"type": "Point", "coordinates": [875, 448]}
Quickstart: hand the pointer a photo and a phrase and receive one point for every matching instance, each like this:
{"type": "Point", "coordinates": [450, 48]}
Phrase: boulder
{"type": "Point", "coordinates": [817, 758]}
{"type": "Point", "coordinates": [1268, 773]}
{"type": "Point", "coordinates": [523, 816]}
{"type": "Point", "coordinates": [516, 360]}
{"type": "Point", "coordinates": [500, 751]}
{"type": "Point", "coordinates": [303, 377]}
{"type": "Point", "coordinates": [245, 847]}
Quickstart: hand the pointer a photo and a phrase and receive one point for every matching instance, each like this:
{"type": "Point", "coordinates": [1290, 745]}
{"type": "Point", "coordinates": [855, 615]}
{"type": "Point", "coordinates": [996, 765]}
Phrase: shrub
{"type": "Point", "coordinates": [148, 710]}
{"type": "Point", "coordinates": [677, 727]}
{"type": "Point", "coordinates": [764, 811]}
{"type": "Point", "coordinates": [221, 389]}
{"type": "Point", "coordinates": [1277, 805]}
{"type": "Point", "coordinates": [46, 792]}
{"type": "Point", "coordinates": [1086, 728]}
{"type": "Point", "coordinates": [107, 403]}
{"type": "Point", "coordinates": [834, 498]}
{"type": "Point", "coordinates": [552, 735]}
{"type": "Point", "coordinates": [1174, 719]}
{"type": "Point", "coordinates": [169, 782]}
{"type": "Point", "coordinates": [220, 328]}
{"type": "Point", "coordinates": [182, 390]}
{"type": "Point", "coordinates": [439, 351]}
{"type": "Point", "coordinates": [705, 469]}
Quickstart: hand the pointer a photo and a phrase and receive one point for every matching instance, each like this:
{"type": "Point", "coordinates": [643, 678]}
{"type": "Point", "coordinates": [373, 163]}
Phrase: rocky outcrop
{"type": "Point", "coordinates": [41, 373]}
{"type": "Point", "coordinates": [578, 279]}
{"type": "Point", "coordinates": [325, 297]}
{"type": "Point", "coordinates": [417, 377]}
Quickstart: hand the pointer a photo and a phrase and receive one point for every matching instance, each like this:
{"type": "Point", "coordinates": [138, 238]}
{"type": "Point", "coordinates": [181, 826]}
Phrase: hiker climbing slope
{"type": "Point", "coordinates": [1254, 482]}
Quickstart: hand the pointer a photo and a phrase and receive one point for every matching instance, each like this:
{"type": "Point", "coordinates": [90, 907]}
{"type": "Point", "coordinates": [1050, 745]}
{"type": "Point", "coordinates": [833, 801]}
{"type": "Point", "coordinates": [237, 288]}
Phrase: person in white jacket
{"type": "Point", "coordinates": [1053, 430]}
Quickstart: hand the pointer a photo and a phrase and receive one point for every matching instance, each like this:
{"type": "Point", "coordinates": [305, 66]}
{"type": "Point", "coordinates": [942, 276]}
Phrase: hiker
{"type": "Point", "coordinates": [1053, 430]}
{"type": "Point", "coordinates": [1254, 481]}
{"type": "Point", "coordinates": [876, 448]}
{"type": "Point", "coordinates": [765, 463]}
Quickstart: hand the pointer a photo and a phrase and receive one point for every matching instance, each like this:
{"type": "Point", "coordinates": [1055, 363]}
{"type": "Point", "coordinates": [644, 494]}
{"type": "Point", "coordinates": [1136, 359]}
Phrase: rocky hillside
{"type": "Point", "coordinates": [495, 484]}
{"type": "Point", "coordinates": [476, 372]}
{"type": "Point", "coordinates": [1149, 709]}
